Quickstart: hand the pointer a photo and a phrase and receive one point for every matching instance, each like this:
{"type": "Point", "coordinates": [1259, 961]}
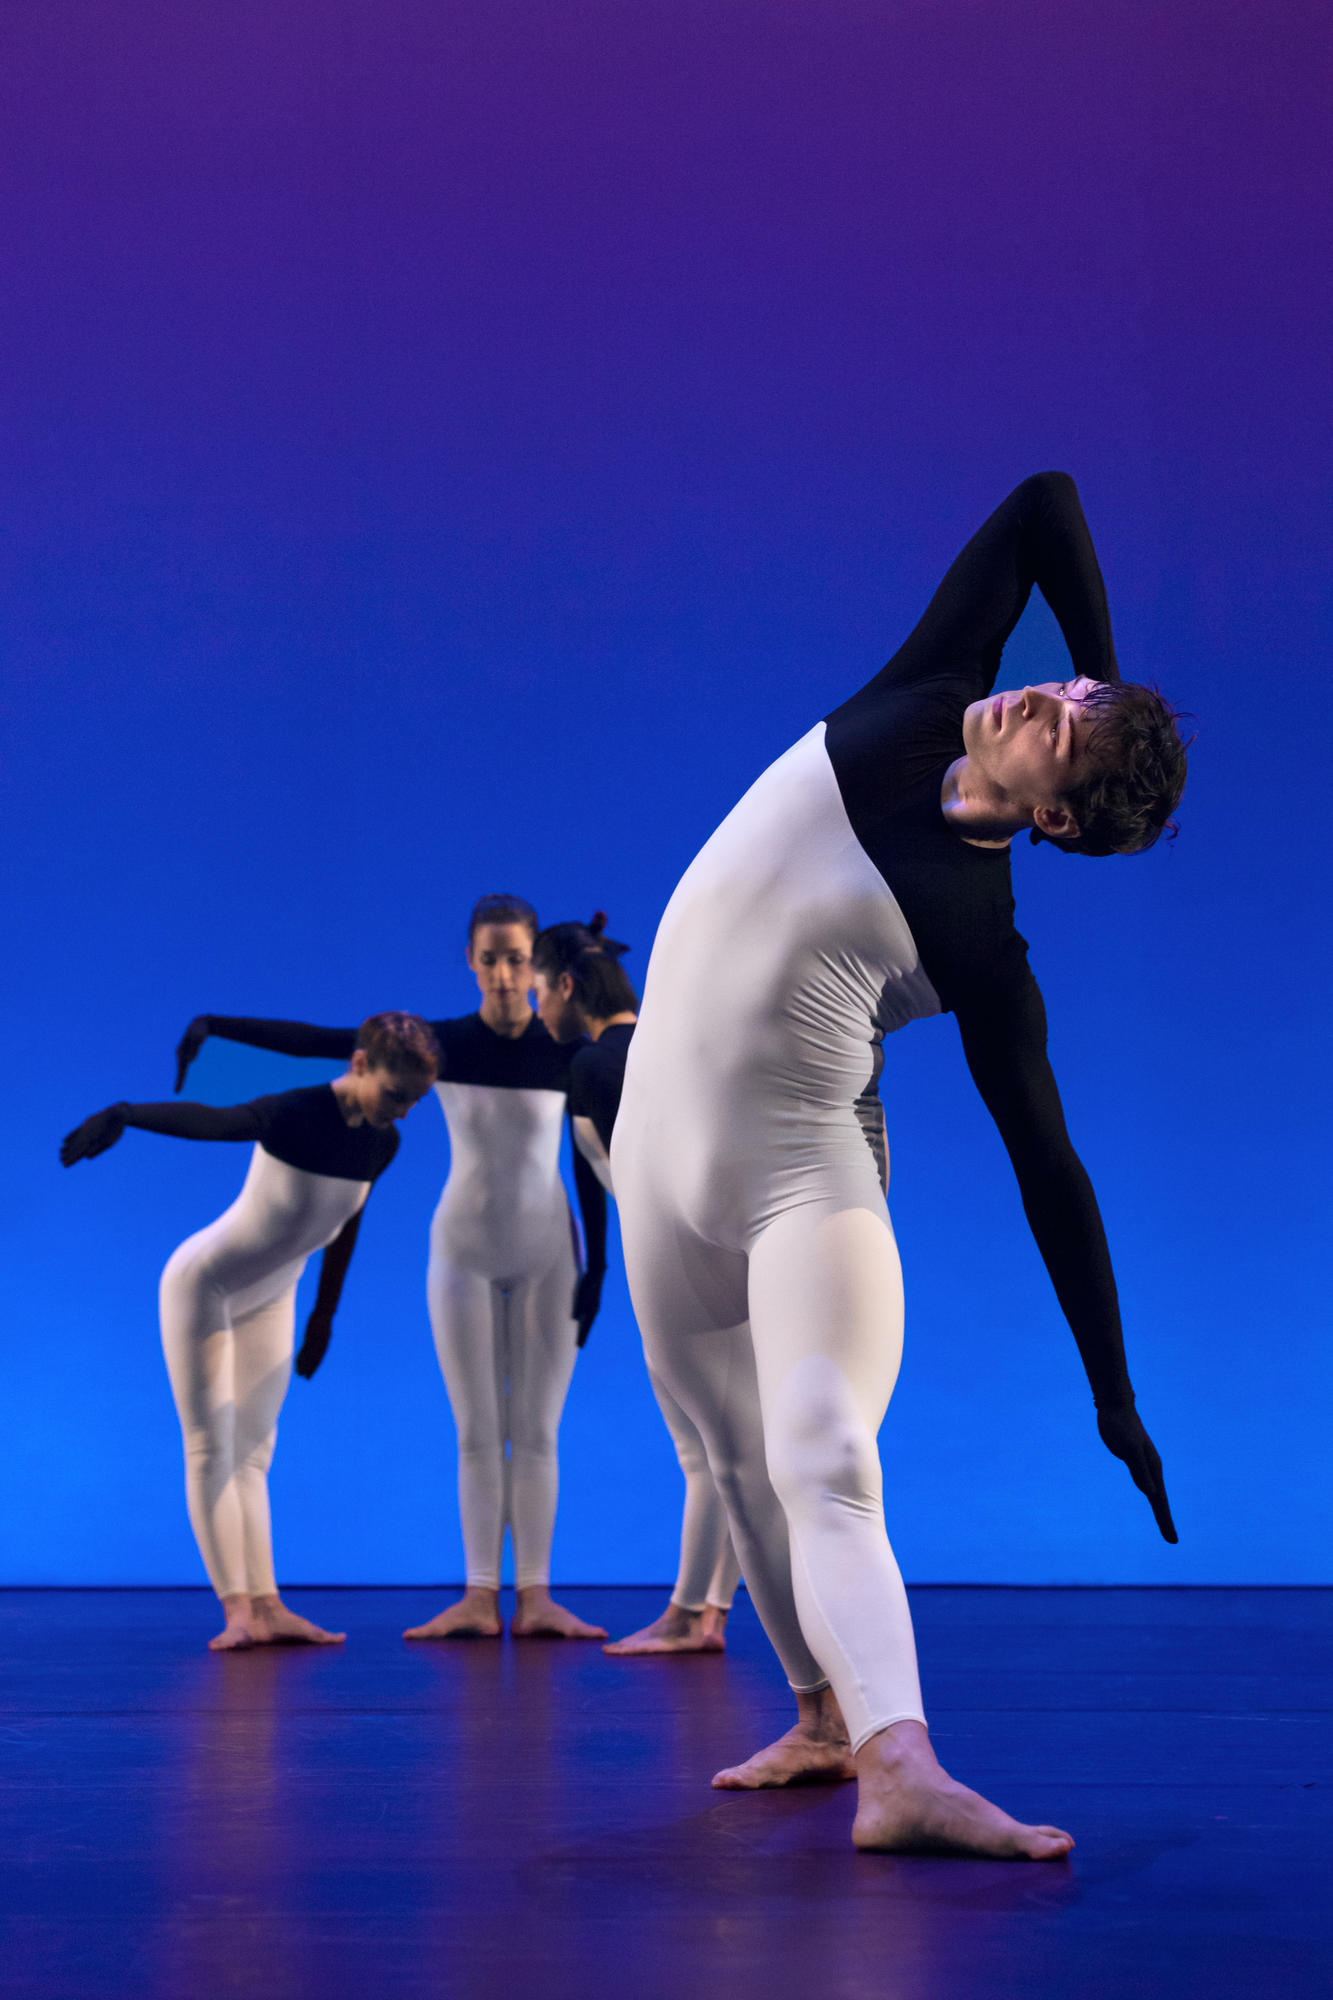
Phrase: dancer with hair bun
{"type": "Point", "coordinates": [228, 1294]}
{"type": "Point", "coordinates": [509, 1301]}
{"type": "Point", "coordinates": [581, 989]}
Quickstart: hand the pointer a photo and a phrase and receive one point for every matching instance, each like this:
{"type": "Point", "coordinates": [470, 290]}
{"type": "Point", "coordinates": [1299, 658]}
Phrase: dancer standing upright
{"type": "Point", "coordinates": [863, 882]}
{"type": "Point", "coordinates": [228, 1294]}
{"type": "Point", "coordinates": [508, 1301]}
{"type": "Point", "coordinates": [582, 990]}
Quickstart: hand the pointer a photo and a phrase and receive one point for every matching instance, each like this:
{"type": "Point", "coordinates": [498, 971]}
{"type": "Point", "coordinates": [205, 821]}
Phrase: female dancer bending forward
{"type": "Point", "coordinates": [509, 1307]}
{"type": "Point", "coordinates": [581, 989]}
{"type": "Point", "coordinates": [862, 883]}
{"type": "Point", "coordinates": [228, 1294]}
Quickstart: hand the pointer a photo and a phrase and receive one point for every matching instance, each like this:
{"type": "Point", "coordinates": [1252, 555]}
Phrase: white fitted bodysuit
{"type": "Point", "coordinates": [227, 1302]}
{"type": "Point", "coordinates": [833, 906]}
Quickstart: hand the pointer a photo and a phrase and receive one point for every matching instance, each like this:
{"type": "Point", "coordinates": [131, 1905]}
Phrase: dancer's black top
{"type": "Point", "coordinates": [890, 747]}
{"type": "Point", "coordinates": [470, 1053]}
{"type": "Point", "coordinates": [597, 1077]}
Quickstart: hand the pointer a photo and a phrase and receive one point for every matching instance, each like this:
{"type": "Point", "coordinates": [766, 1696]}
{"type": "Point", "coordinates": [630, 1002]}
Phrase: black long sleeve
{"type": "Point", "coordinates": [592, 1208]}
{"type": "Point", "coordinates": [177, 1120]}
{"type": "Point", "coordinates": [284, 1038]}
{"type": "Point", "coordinates": [1007, 1057]}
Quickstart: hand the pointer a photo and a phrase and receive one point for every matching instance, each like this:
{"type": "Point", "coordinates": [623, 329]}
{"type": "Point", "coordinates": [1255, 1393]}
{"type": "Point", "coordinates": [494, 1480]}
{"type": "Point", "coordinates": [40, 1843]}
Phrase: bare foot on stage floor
{"type": "Point", "coordinates": [240, 1630]}
{"type": "Point", "coordinates": [475, 1616]}
{"type": "Point", "coordinates": [676, 1631]}
{"type": "Point", "coordinates": [816, 1751]}
{"type": "Point", "coordinates": [275, 1625]}
{"type": "Point", "coordinates": [539, 1617]}
{"type": "Point", "coordinates": [909, 1805]}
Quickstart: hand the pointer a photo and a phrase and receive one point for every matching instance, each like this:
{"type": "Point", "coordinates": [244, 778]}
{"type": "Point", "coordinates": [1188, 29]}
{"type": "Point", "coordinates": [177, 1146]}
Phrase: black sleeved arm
{"type": "Point", "coordinates": [332, 1272]}
{"type": "Point", "coordinates": [1005, 1045]}
{"type": "Point", "coordinates": [592, 1207]}
{"type": "Point", "coordinates": [1038, 535]}
{"type": "Point", "coordinates": [284, 1038]}
{"type": "Point", "coordinates": [194, 1121]}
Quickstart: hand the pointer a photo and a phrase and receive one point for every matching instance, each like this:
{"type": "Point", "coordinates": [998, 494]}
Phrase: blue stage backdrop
{"type": "Point", "coordinates": [455, 446]}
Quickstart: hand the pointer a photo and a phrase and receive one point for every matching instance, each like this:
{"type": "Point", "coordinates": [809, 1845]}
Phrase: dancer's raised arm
{"type": "Point", "coordinates": [282, 1038]}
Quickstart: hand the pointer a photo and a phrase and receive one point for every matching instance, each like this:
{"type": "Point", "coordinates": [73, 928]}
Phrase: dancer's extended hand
{"type": "Point", "coordinates": [314, 1346]}
{"type": "Point", "coordinates": [587, 1299]}
{"type": "Point", "coordinates": [188, 1047]}
{"type": "Point", "coordinates": [95, 1134]}
{"type": "Point", "coordinates": [1123, 1435]}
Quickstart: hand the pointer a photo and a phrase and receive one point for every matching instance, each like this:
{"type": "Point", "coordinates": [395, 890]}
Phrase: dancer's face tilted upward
{"type": "Point", "coordinates": [1026, 749]}
{"type": "Point", "coordinates": [500, 956]}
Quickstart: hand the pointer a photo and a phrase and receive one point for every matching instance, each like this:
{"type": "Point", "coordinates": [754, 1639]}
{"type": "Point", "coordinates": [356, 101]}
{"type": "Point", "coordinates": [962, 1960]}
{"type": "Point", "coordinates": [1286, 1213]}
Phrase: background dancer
{"type": "Point", "coordinates": [228, 1294]}
{"type": "Point", "coordinates": [581, 989]}
{"type": "Point", "coordinates": [509, 1305]}
{"type": "Point", "coordinates": [863, 882]}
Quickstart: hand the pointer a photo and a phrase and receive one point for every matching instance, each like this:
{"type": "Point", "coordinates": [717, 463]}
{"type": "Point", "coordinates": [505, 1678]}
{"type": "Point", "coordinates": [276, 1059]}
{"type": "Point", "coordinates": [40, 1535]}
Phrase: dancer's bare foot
{"type": "Point", "coordinates": [275, 1625]}
{"type": "Point", "coordinates": [239, 1631]}
{"type": "Point", "coordinates": [816, 1751]}
{"type": "Point", "coordinates": [676, 1631]}
{"type": "Point", "coordinates": [475, 1616]}
{"type": "Point", "coordinates": [539, 1617]}
{"type": "Point", "coordinates": [908, 1804]}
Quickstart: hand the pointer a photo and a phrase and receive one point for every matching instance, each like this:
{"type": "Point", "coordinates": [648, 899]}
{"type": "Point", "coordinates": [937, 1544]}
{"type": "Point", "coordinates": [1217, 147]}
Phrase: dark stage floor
{"type": "Point", "coordinates": [496, 1820]}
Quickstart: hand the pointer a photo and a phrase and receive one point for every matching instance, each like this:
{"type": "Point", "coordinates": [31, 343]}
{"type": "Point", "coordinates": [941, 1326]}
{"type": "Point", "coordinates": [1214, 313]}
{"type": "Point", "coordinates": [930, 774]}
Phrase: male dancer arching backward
{"type": "Point", "coordinates": [863, 882]}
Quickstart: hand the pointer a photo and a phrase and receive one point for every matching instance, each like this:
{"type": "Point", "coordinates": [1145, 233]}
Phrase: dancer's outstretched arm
{"type": "Point", "coordinates": [283, 1038]}
{"type": "Point", "coordinates": [1006, 1053]}
{"type": "Point", "coordinates": [332, 1271]}
{"type": "Point", "coordinates": [176, 1121]}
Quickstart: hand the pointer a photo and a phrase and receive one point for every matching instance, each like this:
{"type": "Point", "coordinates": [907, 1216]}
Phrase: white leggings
{"type": "Point", "coordinates": [785, 1359]}
{"type": "Point", "coordinates": [709, 1571]}
{"type": "Point", "coordinates": [229, 1372]}
{"type": "Point", "coordinates": [507, 1352]}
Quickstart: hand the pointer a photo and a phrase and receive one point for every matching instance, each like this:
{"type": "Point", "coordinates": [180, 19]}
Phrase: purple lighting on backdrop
{"type": "Point", "coordinates": [457, 446]}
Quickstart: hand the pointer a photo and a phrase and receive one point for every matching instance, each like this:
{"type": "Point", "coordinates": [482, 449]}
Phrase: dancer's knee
{"type": "Point", "coordinates": [818, 1447]}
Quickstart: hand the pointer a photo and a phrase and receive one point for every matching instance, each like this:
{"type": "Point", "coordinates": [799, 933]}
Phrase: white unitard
{"type": "Point", "coordinates": [500, 1285]}
{"type": "Point", "coordinates": [227, 1303]}
{"type": "Point", "coordinates": [707, 1571]}
{"type": "Point", "coordinates": [833, 906]}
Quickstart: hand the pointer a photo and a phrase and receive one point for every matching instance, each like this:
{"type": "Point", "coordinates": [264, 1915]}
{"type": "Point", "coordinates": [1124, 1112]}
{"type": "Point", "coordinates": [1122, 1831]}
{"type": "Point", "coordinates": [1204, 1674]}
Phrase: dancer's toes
{"type": "Point", "coordinates": [909, 1805]}
{"type": "Point", "coordinates": [475, 1616]}
{"type": "Point", "coordinates": [539, 1617]}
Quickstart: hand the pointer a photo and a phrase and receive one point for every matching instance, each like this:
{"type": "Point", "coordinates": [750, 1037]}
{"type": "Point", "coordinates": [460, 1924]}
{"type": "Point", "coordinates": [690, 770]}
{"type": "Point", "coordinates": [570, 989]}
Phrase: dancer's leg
{"type": "Point", "coordinates": [197, 1348]}
{"type": "Point", "coordinates": [262, 1343]}
{"type": "Point", "coordinates": [468, 1321]}
{"type": "Point", "coordinates": [695, 1616]}
{"type": "Point", "coordinates": [543, 1347]}
{"type": "Point", "coordinates": [826, 1306]}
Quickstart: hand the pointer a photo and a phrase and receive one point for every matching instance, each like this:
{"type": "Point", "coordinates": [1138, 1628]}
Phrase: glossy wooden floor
{"type": "Point", "coordinates": [502, 1820]}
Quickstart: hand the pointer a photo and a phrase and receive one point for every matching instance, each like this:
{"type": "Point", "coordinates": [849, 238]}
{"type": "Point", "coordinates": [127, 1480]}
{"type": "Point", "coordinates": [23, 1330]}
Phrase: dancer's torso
{"type": "Point", "coordinates": [307, 1177]}
{"type": "Point", "coordinates": [503, 1212]}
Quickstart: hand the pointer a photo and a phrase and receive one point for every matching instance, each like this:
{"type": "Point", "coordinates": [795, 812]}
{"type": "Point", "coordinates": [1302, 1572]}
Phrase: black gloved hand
{"type": "Point", "coordinates": [318, 1333]}
{"type": "Point", "coordinates": [587, 1299]}
{"type": "Point", "coordinates": [1123, 1435]}
{"type": "Point", "coordinates": [95, 1134]}
{"type": "Point", "coordinates": [188, 1047]}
